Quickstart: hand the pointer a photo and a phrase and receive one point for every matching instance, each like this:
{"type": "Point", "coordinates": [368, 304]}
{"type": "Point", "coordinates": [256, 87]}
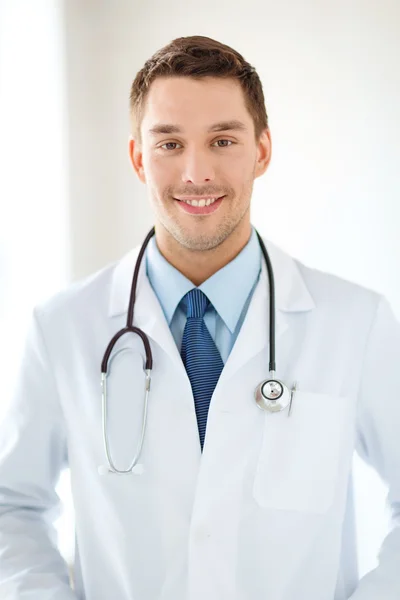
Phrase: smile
{"type": "Point", "coordinates": [200, 206]}
{"type": "Point", "coordinates": [200, 201]}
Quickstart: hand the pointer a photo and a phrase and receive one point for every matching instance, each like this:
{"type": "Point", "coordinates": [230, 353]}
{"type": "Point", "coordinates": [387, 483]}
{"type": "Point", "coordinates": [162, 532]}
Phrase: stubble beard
{"type": "Point", "coordinates": [204, 242]}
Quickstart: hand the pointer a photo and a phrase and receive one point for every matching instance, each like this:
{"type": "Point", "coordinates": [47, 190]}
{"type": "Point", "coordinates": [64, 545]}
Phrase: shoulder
{"type": "Point", "coordinates": [80, 298]}
{"type": "Point", "coordinates": [327, 289]}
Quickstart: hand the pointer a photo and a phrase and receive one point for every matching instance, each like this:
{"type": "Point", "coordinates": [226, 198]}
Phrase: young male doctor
{"type": "Point", "coordinates": [227, 501]}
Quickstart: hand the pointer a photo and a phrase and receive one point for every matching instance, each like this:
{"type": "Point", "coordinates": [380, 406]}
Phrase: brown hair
{"type": "Point", "coordinates": [198, 56]}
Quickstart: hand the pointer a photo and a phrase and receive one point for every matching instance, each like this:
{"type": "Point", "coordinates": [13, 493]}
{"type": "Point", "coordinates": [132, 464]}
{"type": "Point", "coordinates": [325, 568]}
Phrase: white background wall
{"type": "Point", "coordinates": [332, 87]}
{"type": "Point", "coordinates": [35, 238]}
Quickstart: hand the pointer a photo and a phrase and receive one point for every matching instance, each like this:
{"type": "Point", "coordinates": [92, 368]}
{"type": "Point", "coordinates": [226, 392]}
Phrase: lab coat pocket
{"type": "Point", "coordinates": [301, 455]}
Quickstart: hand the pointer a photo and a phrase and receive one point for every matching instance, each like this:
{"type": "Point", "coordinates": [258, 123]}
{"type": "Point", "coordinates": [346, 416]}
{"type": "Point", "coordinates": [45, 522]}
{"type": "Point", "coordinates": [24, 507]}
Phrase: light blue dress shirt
{"type": "Point", "coordinates": [229, 290]}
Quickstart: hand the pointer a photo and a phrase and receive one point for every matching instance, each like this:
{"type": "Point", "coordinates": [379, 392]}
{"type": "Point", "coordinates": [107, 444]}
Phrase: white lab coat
{"type": "Point", "coordinates": [266, 512]}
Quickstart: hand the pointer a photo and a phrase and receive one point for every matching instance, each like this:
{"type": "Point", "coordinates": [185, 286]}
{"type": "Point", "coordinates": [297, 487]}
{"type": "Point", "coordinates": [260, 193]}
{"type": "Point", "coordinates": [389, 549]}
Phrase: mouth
{"type": "Point", "coordinates": [200, 206]}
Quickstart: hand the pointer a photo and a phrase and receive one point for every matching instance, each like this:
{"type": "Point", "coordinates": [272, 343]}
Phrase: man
{"type": "Point", "coordinates": [225, 501]}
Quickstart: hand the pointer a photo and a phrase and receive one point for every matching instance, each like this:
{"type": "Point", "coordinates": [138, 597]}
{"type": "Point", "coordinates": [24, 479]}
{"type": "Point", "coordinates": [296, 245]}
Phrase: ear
{"type": "Point", "coordinates": [263, 152]}
{"type": "Point", "coordinates": [136, 158]}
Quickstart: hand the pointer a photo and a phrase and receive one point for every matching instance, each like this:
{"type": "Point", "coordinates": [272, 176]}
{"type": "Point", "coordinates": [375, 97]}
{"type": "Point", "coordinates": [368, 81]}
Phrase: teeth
{"type": "Point", "coordinates": [201, 202]}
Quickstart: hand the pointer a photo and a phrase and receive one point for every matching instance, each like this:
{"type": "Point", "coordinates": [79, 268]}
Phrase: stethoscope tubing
{"type": "Point", "coordinates": [129, 328]}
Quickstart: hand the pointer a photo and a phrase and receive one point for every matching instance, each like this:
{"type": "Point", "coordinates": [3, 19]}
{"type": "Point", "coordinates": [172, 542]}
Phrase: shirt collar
{"type": "Point", "coordinates": [226, 295]}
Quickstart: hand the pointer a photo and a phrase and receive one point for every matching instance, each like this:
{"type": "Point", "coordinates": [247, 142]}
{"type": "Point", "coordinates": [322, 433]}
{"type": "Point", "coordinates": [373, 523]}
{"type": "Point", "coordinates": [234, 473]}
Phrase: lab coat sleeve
{"type": "Point", "coordinates": [32, 456]}
{"type": "Point", "coordinates": [378, 443]}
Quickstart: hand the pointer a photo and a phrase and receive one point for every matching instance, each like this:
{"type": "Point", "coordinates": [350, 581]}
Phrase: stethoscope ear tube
{"type": "Point", "coordinates": [129, 328]}
{"type": "Point", "coordinates": [134, 466]}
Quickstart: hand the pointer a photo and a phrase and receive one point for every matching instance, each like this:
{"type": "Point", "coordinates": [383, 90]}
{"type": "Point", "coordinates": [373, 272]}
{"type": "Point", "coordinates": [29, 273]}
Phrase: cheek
{"type": "Point", "coordinates": [238, 165]}
{"type": "Point", "coordinates": [237, 174]}
{"type": "Point", "coordinates": [160, 172]}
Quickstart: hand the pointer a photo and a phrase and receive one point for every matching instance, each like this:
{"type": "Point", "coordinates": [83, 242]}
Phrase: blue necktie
{"type": "Point", "coordinates": [200, 356]}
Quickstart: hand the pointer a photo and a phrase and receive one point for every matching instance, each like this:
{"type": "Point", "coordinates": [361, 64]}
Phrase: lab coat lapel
{"type": "Point", "coordinates": [291, 295]}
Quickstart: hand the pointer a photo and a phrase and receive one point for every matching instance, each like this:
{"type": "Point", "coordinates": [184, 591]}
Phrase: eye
{"type": "Point", "coordinates": [225, 146]}
{"type": "Point", "coordinates": [169, 144]}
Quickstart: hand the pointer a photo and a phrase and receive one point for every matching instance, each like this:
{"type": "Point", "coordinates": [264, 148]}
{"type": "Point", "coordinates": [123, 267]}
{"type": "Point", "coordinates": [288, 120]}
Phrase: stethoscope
{"type": "Point", "coordinates": [271, 395]}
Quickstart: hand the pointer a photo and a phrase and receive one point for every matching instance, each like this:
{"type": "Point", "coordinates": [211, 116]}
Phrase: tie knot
{"type": "Point", "coordinates": [196, 303]}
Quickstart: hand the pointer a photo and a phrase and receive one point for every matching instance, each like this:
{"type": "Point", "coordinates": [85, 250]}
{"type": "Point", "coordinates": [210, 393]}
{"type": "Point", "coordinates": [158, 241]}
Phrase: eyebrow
{"type": "Point", "coordinates": [232, 125]}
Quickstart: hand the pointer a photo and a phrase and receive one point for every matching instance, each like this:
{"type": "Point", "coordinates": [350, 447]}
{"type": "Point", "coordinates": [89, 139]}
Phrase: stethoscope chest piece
{"type": "Point", "coordinates": [272, 395]}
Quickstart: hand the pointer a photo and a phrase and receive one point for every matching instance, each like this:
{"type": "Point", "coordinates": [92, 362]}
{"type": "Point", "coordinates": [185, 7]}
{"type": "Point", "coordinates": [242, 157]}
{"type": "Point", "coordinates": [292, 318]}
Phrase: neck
{"type": "Point", "coordinates": [199, 265]}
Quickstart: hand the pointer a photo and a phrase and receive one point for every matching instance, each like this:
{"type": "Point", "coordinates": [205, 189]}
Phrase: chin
{"type": "Point", "coordinates": [196, 240]}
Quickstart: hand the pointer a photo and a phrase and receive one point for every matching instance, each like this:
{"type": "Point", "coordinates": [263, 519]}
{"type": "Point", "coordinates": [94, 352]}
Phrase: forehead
{"type": "Point", "coordinates": [189, 103]}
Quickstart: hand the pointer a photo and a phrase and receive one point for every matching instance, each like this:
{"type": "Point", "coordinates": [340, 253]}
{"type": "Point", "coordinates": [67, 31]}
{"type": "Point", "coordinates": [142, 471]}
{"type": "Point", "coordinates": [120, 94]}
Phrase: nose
{"type": "Point", "coordinates": [197, 168]}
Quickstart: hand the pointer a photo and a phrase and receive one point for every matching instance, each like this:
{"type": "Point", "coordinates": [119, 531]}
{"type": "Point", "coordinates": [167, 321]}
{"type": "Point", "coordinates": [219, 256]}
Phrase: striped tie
{"type": "Point", "coordinates": [200, 356]}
